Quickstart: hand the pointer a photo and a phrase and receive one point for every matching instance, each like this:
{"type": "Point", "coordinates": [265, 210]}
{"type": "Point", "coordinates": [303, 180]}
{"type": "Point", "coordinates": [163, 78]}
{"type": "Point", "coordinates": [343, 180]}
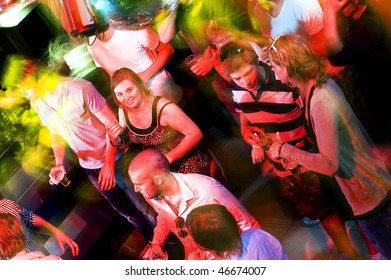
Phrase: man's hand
{"type": "Point", "coordinates": [63, 239]}
{"type": "Point", "coordinates": [56, 174]}
{"type": "Point", "coordinates": [206, 62]}
{"type": "Point", "coordinates": [257, 155]}
{"type": "Point", "coordinates": [251, 135]}
{"type": "Point", "coordinates": [106, 178]}
{"type": "Point", "coordinates": [156, 253]}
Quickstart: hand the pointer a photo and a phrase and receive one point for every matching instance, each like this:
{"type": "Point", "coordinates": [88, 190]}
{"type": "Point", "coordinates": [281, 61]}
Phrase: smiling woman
{"type": "Point", "coordinates": [155, 122]}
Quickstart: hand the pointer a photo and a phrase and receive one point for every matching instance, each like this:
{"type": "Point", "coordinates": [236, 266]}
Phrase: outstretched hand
{"type": "Point", "coordinates": [63, 239]}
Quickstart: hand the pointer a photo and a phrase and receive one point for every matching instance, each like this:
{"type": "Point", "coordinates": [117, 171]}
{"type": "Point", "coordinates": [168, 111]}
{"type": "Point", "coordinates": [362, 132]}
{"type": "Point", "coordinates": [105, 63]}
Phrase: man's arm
{"type": "Point", "coordinates": [60, 236]}
{"type": "Point", "coordinates": [107, 175]}
{"type": "Point", "coordinates": [59, 148]}
{"type": "Point", "coordinates": [333, 40]}
{"type": "Point", "coordinates": [163, 54]}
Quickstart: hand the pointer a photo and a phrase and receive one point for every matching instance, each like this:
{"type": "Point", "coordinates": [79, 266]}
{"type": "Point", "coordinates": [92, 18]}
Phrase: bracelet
{"type": "Point", "coordinates": [279, 150]}
{"type": "Point", "coordinates": [257, 147]}
{"type": "Point", "coordinates": [118, 145]}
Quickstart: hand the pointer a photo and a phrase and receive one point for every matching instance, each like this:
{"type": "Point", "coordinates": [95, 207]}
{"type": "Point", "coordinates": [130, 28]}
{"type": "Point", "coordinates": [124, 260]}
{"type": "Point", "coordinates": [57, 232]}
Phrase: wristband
{"type": "Point", "coordinates": [119, 144]}
{"type": "Point", "coordinates": [257, 147]}
{"type": "Point", "coordinates": [279, 150]}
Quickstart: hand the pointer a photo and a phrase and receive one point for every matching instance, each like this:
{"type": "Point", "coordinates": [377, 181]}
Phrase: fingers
{"type": "Point", "coordinates": [257, 155]}
{"type": "Point", "coordinates": [106, 183]}
{"type": "Point", "coordinates": [74, 248]}
{"type": "Point", "coordinates": [156, 253]}
{"type": "Point", "coordinates": [56, 174]}
{"type": "Point", "coordinates": [278, 136]}
{"type": "Point", "coordinates": [61, 245]}
{"type": "Point", "coordinates": [63, 239]}
{"type": "Point", "coordinates": [113, 129]}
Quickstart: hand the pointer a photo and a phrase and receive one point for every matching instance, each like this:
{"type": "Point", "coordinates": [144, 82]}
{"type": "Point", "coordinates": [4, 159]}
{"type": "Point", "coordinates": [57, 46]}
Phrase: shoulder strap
{"type": "Point", "coordinates": [161, 110]}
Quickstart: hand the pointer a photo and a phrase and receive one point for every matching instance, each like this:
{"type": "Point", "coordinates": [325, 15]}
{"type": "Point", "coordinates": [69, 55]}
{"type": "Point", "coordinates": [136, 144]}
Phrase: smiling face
{"type": "Point", "coordinates": [128, 94]}
{"type": "Point", "coordinates": [246, 77]}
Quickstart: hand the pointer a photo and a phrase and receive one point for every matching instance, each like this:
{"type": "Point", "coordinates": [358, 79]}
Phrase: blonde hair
{"type": "Point", "coordinates": [301, 63]}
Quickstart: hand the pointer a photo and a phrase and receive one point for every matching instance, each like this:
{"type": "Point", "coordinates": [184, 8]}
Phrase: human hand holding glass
{"type": "Point", "coordinates": [275, 153]}
{"type": "Point", "coordinates": [58, 175]}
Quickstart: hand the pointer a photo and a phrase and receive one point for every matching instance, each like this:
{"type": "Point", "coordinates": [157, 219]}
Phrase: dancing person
{"type": "Point", "coordinates": [152, 121]}
{"type": "Point", "coordinates": [75, 114]}
{"type": "Point", "coordinates": [139, 50]}
{"type": "Point", "coordinates": [270, 109]}
{"type": "Point", "coordinates": [343, 149]}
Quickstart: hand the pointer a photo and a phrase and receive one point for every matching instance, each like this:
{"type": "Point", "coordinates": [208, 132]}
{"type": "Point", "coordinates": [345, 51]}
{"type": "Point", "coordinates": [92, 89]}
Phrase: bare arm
{"type": "Point", "coordinates": [106, 175]}
{"type": "Point", "coordinates": [174, 117]}
{"type": "Point", "coordinates": [58, 171]}
{"type": "Point", "coordinates": [60, 236]}
{"type": "Point", "coordinates": [163, 52]}
{"type": "Point", "coordinates": [166, 28]}
{"type": "Point", "coordinates": [333, 40]}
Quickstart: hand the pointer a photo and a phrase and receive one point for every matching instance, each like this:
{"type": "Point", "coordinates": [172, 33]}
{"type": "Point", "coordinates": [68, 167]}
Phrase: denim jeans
{"type": "Point", "coordinates": [124, 182]}
{"type": "Point", "coordinates": [121, 203]}
{"type": "Point", "coordinates": [378, 230]}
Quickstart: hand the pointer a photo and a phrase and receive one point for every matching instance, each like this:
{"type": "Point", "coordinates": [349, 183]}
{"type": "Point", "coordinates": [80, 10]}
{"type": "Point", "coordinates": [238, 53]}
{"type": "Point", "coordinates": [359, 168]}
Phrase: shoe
{"type": "Point", "coordinates": [310, 222]}
{"type": "Point", "coordinates": [376, 257]}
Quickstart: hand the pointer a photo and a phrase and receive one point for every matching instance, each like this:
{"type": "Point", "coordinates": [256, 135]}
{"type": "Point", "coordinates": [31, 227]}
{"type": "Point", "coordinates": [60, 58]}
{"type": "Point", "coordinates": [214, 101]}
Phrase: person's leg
{"type": "Point", "coordinates": [372, 251]}
{"type": "Point", "coordinates": [378, 230]}
{"type": "Point", "coordinates": [306, 192]}
{"type": "Point", "coordinates": [334, 225]}
{"type": "Point", "coordinates": [120, 202]}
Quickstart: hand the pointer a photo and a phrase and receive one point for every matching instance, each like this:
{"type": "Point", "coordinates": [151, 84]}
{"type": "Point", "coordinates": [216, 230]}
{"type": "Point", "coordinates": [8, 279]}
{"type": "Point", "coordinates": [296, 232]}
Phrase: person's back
{"type": "Point", "coordinates": [260, 245]}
